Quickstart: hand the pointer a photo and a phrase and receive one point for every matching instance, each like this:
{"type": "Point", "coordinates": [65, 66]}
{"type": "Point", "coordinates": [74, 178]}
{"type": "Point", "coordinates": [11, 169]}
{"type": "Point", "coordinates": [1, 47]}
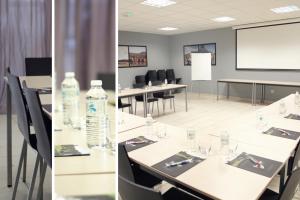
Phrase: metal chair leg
{"type": "Point", "coordinates": [174, 104]}
{"type": "Point", "coordinates": [122, 109]}
{"type": "Point", "coordinates": [157, 108]}
{"type": "Point", "coordinates": [19, 170]}
{"type": "Point", "coordinates": [135, 108]}
{"type": "Point", "coordinates": [152, 106]}
{"type": "Point", "coordinates": [25, 164]}
{"type": "Point", "coordinates": [164, 104]}
{"type": "Point", "coordinates": [36, 166]}
{"type": "Point", "coordinates": [42, 164]}
{"type": "Point", "coordinates": [170, 104]}
{"type": "Point", "coordinates": [41, 183]}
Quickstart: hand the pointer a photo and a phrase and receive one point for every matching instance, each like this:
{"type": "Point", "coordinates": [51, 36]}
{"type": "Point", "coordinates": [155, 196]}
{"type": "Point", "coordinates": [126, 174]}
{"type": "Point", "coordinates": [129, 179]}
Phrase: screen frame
{"type": "Point", "coordinates": [260, 69]}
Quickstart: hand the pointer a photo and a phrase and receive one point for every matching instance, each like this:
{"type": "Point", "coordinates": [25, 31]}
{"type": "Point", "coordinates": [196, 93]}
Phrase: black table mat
{"type": "Point", "coordinates": [293, 116]}
{"type": "Point", "coordinates": [177, 170]}
{"type": "Point", "coordinates": [132, 147]}
{"type": "Point", "coordinates": [47, 107]}
{"type": "Point", "coordinates": [44, 91]}
{"type": "Point", "coordinates": [103, 197]}
{"type": "Point", "coordinates": [243, 162]}
{"type": "Point", "coordinates": [276, 132]}
{"type": "Point", "coordinates": [69, 150]}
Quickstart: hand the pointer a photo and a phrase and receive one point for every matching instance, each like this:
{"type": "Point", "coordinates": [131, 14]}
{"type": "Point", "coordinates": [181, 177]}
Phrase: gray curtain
{"type": "Point", "coordinates": [25, 31]}
{"type": "Point", "coordinates": [84, 39]}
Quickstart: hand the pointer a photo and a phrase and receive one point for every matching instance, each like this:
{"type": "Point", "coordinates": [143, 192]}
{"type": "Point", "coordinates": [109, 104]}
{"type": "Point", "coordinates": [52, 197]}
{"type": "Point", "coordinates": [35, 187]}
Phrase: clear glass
{"type": "Point", "coordinates": [161, 131]}
{"type": "Point", "coordinates": [191, 139]}
{"type": "Point", "coordinates": [204, 148]}
{"type": "Point", "coordinates": [282, 108]}
{"type": "Point", "coordinates": [261, 122]}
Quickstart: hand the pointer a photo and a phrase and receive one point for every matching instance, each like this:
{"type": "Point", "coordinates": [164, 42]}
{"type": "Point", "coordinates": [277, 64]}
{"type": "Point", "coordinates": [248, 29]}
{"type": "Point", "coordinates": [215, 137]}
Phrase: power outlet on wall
{"type": "Point", "coordinates": [272, 91]}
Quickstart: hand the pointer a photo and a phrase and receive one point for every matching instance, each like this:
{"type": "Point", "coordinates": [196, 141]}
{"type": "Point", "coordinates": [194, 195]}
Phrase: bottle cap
{"type": "Point", "coordinates": [96, 82]}
{"type": "Point", "coordinates": [148, 115]}
{"type": "Point", "coordinates": [69, 74]}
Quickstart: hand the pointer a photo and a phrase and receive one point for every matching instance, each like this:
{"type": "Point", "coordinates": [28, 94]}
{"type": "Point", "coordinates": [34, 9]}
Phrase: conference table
{"type": "Point", "coordinates": [254, 83]}
{"type": "Point", "coordinates": [146, 91]}
{"type": "Point", "coordinates": [85, 175]}
{"type": "Point", "coordinates": [37, 82]}
{"type": "Point", "coordinates": [213, 177]}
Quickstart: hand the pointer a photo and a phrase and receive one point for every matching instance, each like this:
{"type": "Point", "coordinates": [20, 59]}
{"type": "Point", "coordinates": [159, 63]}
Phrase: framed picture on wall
{"type": "Point", "coordinates": [209, 48]}
{"type": "Point", "coordinates": [138, 56]}
{"type": "Point", "coordinates": [123, 58]}
{"type": "Point", "coordinates": [187, 50]}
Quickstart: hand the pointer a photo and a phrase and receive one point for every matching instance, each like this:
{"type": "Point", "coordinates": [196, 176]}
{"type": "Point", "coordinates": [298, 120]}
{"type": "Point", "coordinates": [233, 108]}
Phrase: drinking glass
{"type": "Point", "coordinates": [161, 131]}
{"type": "Point", "coordinates": [191, 139]}
{"type": "Point", "coordinates": [282, 108]}
{"type": "Point", "coordinates": [204, 149]}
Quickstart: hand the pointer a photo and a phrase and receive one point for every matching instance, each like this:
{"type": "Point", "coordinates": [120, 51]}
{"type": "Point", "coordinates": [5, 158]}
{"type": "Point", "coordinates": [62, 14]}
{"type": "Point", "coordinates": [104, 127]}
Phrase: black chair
{"type": "Point", "coordinates": [108, 81]}
{"type": "Point", "coordinates": [151, 76]}
{"type": "Point", "coordinates": [122, 105]}
{"type": "Point", "coordinates": [132, 172]}
{"type": "Point", "coordinates": [294, 161]}
{"type": "Point", "coordinates": [23, 118]}
{"type": "Point", "coordinates": [170, 74]}
{"type": "Point", "coordinates": [289, 189]}
{"type": "Point", "coordinates": [161, 75]}
{"type": "Point", "coordinates": [141, 83]}
{"type": "Point", "coordinates": [129, 190]}
{"type": "Point", "coordinates": [43, 128]}
{"type": "Point", "coordinates": [38, 66]}
{"type": "Point", "coordinates": [140, 98]}
{"type": "Point", "coordinates": [164, 96]}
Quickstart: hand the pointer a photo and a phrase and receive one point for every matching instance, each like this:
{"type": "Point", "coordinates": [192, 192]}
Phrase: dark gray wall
{"type": "Point", "coordinates": [157, 52]}
{"type": "Point", "coordinates": [168, 51]}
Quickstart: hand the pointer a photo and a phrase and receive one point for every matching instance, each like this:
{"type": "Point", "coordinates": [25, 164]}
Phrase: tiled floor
{"type": "Point", "coordinates": [206, 115]}
{"type": "Point", "coordinates": [5, 192]}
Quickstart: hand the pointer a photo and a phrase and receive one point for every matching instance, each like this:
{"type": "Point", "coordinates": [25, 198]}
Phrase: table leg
{"type": "Point", "coordinates": [146, 102]}
{"type": "Point", "coordinates": [217, 90]}
{"type": "Point", "coordinates": [228, 86]}
{"type": "Point", "coordinates": [144, 96]}
{"type": "Point", "coordinates": [282, 178]}
{"type": "Point", "coordinates": [9, 136]}
{"type": "Point", "coordinates": [186, 104]}
{"type": "Point", "coordinates": [254, 94]}
{"type": "Point", "coordinates": [262, 94]}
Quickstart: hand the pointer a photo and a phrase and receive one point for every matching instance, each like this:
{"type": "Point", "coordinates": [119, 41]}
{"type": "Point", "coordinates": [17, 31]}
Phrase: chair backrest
{"type": "Point", "coordinates": [151, 76]}
{"type": "Point", "coordinates": [19, 105]}
{"type": "Point", "coordinates": [140, 79]}
{"type": "Point", "coordinates": [38, 66]}
{"type": "Point", "coordinates": [170, 74]}
{"type": "Point", "coordinates": [290, 186]}
{"type": "Point", "coordinates": [124, 165]}
{"type": "Point", "coordinates": [161, 75]}
{"type": "Point", "coordinates": [129, 190]}
{"type": "Point", "coordinates": [108, 81]}
{"type": "Point", "coordinates": [296, 160]}
{"type": "Point", "coordinates": [42, 124]}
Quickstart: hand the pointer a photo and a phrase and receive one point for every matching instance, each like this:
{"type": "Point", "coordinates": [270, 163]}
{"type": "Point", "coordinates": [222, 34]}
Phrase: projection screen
{"type": "Point", "coordinates": [275, 47]}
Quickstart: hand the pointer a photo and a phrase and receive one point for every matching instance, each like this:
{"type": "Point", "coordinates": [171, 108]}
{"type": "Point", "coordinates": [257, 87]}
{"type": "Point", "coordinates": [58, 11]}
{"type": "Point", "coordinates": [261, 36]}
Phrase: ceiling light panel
{"type": "Point", "coordinates": [223, 19]}
{"type": "Point", "coordinates": [158, 3]}
{"type": "Point", "coordinates": [285, 9]}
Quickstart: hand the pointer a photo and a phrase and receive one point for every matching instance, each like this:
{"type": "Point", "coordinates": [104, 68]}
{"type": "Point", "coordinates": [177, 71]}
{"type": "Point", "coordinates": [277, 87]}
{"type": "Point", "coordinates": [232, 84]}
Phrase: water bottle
{"type": "Point", "coordinates": [149, 125]}
{"type": "Point", "coordinates": [97, 123]}
{"type": "Point", "coordinates": [166, 82]}
{"type": "Point", "coordinates": [70, 100]}
{"type": "Point", "coordinates": [149, 84]}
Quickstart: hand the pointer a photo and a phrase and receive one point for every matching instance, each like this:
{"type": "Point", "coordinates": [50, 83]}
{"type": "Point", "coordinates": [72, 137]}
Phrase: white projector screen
{"type": "Point", "coordinates": [275, 47]}
{"type": "Point", "coordinates": [201, 66]}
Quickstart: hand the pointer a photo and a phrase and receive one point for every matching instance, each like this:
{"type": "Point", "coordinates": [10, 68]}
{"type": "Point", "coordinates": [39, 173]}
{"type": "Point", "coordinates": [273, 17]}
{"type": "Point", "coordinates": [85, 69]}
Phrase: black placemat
{"type": "Point", "coordinates": [280, 132]}
{"type": "Point", "coordinates": [132, 147]}
{"type": "Point", "coordinates": [243, 162]}
{"type": "Point", "coordinates": [47, 107]}
{"type": "Point", "coordinates": [293, 116]}
{"type": "Point", "coordinates": [44, 90]}
{"type": "Point", "coordinates": [179, 169]}
{"type": "Point", "coordinates": [70, 150]}
{"type": "Point", "coordinates": [103, 197]}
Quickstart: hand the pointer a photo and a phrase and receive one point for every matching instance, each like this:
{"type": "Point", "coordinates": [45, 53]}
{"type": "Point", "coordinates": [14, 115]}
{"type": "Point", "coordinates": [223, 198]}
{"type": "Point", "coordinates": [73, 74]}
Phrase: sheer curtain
{"type": "Point", "coordinates": [25, 31]}
{"type": "Point", "coordinates": [84, 39]}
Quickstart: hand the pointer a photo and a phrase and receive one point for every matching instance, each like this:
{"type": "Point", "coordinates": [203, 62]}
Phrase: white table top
{"type": "Point", "coordinates": [265, 82]}
{"type": "Point", "coordinates": [127, 122]}
{"type": "Point", "coordinates": [213, 176]}
{"type": "Point", "coordinates": [137, 91]}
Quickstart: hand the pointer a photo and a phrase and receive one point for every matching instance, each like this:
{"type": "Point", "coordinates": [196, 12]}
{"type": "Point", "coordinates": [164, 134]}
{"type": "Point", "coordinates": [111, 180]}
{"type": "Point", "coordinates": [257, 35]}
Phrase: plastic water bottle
{"type": "Point", "coordinates": [166, 82]}
{"type": "Point", "coordinates": [149, 125]}
{"type": "Point", "coordinates": [70, 99]}
{"type": "Point", "coordinates": [96, 116]}
{"type": "Point", "coordinates": [149, 84]}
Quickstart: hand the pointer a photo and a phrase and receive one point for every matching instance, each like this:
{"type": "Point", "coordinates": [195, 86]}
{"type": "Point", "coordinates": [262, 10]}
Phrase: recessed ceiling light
{"type": "Point", "coordinates": [158, 3]}
{"type": "Point", "coordinates": [168, 28]}
{"type": "Point", "coordinates": [285, 9]}
{"type": "Point", "coordinates": [223, 19]}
